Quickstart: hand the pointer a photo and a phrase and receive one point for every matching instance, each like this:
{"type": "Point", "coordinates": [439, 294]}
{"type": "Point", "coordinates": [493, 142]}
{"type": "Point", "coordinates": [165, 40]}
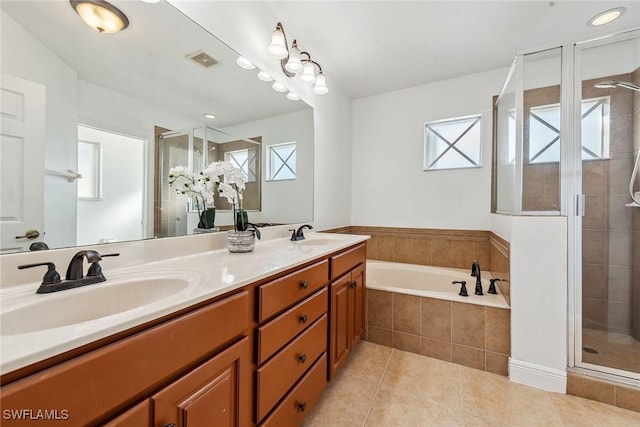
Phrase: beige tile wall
{"type": "Point", "coordinates": [444, 248]}
{"type": "Point", "coordinates": [603, 391]}
{"type": "Point", "coordinates": [607, 225]}
{"type": "Point", "coordinates": [467, 334]}
{"type": "Point", "coordinates": [635, 219]}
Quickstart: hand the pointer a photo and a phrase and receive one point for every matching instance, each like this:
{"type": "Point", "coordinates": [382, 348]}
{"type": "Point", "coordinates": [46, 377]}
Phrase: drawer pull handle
{"type": "Point", "coordinates": [304, 284]}
{"type": "Point", "coordinates": [352, 285]}
{"type": "Point", "coordinates": [169, 425]}
{"type": "Point", "coordinates": [303, 318]}
{"type": "Point", "coordinates": [302, 358]}
{"type": "Point", "coordinates": [302, 406]}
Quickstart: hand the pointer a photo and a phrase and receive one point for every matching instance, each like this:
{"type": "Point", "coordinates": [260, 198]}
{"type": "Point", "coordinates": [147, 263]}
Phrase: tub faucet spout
{"type": "Point", "coordinates": [475, 272]}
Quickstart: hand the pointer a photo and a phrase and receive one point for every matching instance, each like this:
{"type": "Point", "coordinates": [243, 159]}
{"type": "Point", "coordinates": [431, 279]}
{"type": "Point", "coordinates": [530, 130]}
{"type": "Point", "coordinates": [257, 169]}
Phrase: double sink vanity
{"type": "Point", "coordinates": [206, 339]}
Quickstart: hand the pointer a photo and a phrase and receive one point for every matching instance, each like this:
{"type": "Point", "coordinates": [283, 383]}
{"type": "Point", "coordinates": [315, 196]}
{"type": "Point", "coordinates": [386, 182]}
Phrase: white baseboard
{"type": "Point", "coordinates": [538, 376]}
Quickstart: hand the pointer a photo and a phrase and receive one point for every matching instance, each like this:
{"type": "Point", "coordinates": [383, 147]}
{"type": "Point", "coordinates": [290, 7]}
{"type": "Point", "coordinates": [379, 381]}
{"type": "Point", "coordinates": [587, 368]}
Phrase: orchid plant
{"type": "Point", "coordinates": [204, 185]}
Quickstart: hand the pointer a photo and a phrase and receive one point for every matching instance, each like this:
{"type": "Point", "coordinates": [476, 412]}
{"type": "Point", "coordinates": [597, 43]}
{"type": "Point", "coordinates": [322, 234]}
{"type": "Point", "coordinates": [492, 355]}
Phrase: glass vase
{"type": "Point", "coordinates": [241, 241]}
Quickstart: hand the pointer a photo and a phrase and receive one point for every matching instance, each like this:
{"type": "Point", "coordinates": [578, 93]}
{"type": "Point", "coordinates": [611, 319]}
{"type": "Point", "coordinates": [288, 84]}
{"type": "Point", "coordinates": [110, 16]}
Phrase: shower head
{"type": "Point", "coordinates": [611, 84]}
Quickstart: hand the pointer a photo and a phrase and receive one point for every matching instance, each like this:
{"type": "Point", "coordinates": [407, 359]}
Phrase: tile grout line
{"type": "Point", "coordinates": [464, 417]}
{"type": "Point", "coordinates": [554, 407]}
{"type": "Point", "coordinates": [375, 396]}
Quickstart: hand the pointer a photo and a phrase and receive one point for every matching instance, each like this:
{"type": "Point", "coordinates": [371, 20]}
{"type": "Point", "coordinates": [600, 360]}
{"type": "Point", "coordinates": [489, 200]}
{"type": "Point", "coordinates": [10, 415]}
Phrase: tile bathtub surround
{"type": "Point", "coordinates": [444, 248]}
{"type": "Point", "coordinates": [381, 386]}
{"type": "Point", "coordinates": [467, 334]}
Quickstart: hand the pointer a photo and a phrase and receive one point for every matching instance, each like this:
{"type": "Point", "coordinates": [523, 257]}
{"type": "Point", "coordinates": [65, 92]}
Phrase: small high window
{"type": "Point", "coordinates": [281, 162]}
{"type": "Point", "coordinates": [452, 143]}
{"type": "Point", "coordinates": [245, 160]}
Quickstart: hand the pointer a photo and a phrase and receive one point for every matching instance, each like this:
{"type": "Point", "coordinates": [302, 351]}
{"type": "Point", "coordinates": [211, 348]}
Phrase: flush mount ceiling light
{"type": "Point", "coordinates": [294, 62]}
{"type": "Point", "coordinates": [607, 16]}
{"type": "Point", "coordinates": [100, 15]}
{"type": "Point", "coordinates": [245, 63]}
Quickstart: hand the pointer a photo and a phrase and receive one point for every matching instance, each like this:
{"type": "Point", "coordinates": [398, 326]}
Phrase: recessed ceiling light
{"type": "Point", "coordinates": [293, 97]}
{"type": "Point", "coordinates": [607, 16]}
{"type": "Point", "coordinates": [209, 116]}
{"type": "Point", "coordinates": [279, 87]}
{"type": "Point", "coordinates": [264, 76]}
{"type": "Point", "coordinates": [245, 63]}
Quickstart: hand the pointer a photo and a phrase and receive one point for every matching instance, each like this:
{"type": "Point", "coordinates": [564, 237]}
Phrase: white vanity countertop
{"type": "Point", "coordinates": [210, 274]}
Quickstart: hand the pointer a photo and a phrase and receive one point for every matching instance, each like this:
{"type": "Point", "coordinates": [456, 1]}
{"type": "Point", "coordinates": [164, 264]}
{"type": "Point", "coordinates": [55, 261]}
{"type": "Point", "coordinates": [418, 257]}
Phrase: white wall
{"type": "Point", "coordinates": [118, 214]}
{"type": "Point", "coordinates": [390, 187]}
{"type": "Point", "coordinates": [27, 58]}
{"type": "Point", "coordinates": [539, 302]}
{"type": "Point", "coordinates": [287, 201]}
{"type": "Point", "coordinates": [248, 33]}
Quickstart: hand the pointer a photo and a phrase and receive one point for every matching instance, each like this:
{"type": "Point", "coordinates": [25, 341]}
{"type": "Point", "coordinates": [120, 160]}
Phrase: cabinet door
{"type": "Point", "coordinates": [341, 323]}
{"type": "Point", "coordinates": [215, 393]}
{"type": "Point", "coordinates": [358, 289]}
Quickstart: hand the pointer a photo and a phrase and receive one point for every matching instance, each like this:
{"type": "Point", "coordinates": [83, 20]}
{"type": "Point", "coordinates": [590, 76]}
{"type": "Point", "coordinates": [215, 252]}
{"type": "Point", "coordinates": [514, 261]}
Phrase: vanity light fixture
{"type": "Point", "coordinates": [245, 63]}
{"type": "Point", "coordinates": [295, 62]}
{"type": "Point", "coordinates": [607, 16]}
{"type": "Point", "coordinates": [101, 15]}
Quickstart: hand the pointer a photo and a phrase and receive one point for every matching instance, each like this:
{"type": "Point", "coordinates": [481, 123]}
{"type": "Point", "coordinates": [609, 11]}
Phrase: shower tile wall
{"type": "Point", "coordinates": [635, 212]}
{"type": "Point", "coordinates": [606, 228]}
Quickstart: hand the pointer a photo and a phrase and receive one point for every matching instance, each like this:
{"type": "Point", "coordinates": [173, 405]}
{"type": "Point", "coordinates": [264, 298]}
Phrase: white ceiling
{"type": "Point", "coordinates": [371, 47]}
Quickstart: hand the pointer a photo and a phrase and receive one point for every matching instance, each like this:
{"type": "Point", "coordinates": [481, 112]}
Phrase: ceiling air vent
{"type": "Point", "coordinates": [202, 58]}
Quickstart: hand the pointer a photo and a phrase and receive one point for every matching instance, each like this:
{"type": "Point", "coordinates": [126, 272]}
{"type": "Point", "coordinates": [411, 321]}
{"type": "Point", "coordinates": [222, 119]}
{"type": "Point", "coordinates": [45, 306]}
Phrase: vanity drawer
{"type": "Point", "coordinates": [292, 410]}
{"type": "Point", "coordinates": [282, 329]}
{"type": "Point", "coordinates": [280, 373]}
{"type": "Point", "coordinates": [342, 263]}
{"type": "Point", "coordinates": [281, 293]}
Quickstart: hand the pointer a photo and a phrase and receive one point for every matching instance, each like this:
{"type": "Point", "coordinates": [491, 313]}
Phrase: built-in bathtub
{"type": "Point", "coordinates": [416, 308]}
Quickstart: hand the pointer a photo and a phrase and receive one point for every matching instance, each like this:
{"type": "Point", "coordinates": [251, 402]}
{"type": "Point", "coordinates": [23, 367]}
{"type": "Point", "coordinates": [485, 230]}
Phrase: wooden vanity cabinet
{"type": "Point", "coordinates": [347, 306]}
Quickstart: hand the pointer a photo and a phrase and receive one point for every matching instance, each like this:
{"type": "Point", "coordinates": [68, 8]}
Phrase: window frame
{"type": "Point", "coordinates": [270, 175]}
{"type": "Point", "coordinates": [427, 163]}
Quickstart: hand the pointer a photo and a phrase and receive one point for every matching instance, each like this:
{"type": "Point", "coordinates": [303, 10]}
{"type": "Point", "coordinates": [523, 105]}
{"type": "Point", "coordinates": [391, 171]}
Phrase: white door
{"type": "Point", "coordinates": [21, 163]}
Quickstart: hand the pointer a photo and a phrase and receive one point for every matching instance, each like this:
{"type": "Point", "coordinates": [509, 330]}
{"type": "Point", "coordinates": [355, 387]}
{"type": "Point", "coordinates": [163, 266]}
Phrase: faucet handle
{"type": "Point", "coordinates": [492, 286]}
{"type": "Point", "coordinates": [95, 269]}
{"type": "Point", "coordinates": [463, 287]}
{"type": "Point", "coordinates": [50, 277]}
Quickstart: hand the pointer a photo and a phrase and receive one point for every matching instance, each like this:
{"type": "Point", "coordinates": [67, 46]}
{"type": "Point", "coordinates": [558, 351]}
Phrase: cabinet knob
{"type": "Point", "coordinates": [302, 358]}
{"type": "Point", "coordinates": [304, 284]}
{"type": "Point", "coordinates": [302, 406]}
{"type": "Point", "coordinates": [352, 285]}
{"type": "Point", "coordinates": [303, 318]}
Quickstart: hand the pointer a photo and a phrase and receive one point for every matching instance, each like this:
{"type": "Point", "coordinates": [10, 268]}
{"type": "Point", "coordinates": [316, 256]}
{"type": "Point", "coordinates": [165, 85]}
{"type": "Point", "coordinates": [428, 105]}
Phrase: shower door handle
{"type": "Point", "coordinates": [580, 205]}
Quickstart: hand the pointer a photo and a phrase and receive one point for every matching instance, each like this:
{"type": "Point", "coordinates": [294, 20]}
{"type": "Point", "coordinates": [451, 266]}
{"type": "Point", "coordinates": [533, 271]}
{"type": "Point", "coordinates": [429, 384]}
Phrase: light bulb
{"type": "Point", "coordinates": [279, 87]}
{"type": "Point", "coordinates": [277, 49]}
{"type": "Point", "coordinates": [308, 73]}
{"type": "Point", "coordinates": [245, 63]}
{"type": "Point", "coordinates": [294, 65]}
{"type": "Point", "coordinates": [320, 87]}
{"type": "Point", "coordinates": [293, 97]}
{"type": "Point", "coordinates": [264, 76]}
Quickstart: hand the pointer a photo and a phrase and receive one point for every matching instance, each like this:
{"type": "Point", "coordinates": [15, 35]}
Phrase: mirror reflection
{"type": "Point", "coordinates": [93, 122]}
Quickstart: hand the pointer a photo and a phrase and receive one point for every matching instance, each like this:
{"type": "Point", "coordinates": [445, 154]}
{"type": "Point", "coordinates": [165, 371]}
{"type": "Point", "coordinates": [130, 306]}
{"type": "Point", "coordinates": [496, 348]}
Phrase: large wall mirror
{"type": "Point", "coordinates": [119, 110]}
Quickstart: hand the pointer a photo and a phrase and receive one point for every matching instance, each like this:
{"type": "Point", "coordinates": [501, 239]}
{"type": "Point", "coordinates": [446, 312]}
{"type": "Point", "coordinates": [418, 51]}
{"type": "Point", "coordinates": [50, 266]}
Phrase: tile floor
{"type": "Point", "coordinates": [614, 350]}
{"type": "Point", "coordinates": [381, 386]}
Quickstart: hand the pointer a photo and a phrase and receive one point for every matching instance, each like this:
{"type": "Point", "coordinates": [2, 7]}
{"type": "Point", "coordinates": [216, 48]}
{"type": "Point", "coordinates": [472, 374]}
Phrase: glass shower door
{"type": "Point", "coordinates": [609, 116]}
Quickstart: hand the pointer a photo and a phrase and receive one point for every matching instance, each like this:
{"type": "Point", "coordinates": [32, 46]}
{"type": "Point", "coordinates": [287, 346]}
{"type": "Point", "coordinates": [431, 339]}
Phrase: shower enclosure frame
{"type": "Point", "coordinates": [573, 201]}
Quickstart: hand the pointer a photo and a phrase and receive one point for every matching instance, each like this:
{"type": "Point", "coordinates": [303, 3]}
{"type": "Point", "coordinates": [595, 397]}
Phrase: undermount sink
{"type": "Point", "coordinates": [73, 306]}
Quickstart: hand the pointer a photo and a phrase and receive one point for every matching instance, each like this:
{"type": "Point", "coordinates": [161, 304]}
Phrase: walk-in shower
{"type": "Point", "coordinates": [567, 126]}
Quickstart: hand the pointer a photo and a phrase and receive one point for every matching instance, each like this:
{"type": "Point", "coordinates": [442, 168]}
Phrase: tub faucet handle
{"type": "Point", "coordinates": [463, 287]}
{"type": "Point", "coordinates": [492, 286]}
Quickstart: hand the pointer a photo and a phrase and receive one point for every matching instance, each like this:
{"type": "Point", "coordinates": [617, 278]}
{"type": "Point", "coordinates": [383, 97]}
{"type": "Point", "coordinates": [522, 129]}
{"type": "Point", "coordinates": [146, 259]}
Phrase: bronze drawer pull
{"type": "Point", "coordinates": [302, 358]}
{"type": "Point", "coordinates": [303, 318]}
{"type": "Point", "coordinates": [169, 425]}
{"type": "Point", "coordinates": [302, 406]}
{"type": "Point", "coordinates": [304, 284]}
{"type": "Point", "coordinates": [352, 285]}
